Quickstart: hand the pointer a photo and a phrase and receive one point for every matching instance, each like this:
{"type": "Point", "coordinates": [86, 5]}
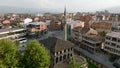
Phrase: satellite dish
{"type": "Point", "coordinates": [27, 20]}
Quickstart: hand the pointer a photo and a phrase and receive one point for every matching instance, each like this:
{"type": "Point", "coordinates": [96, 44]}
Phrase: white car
{"type": "Point", "coordinates": [22, 40]}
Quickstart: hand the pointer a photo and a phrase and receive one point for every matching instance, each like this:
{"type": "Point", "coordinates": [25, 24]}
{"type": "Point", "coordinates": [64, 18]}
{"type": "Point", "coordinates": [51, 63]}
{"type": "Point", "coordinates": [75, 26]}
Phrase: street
{"type": "Point", "coordinates": [58, 34]}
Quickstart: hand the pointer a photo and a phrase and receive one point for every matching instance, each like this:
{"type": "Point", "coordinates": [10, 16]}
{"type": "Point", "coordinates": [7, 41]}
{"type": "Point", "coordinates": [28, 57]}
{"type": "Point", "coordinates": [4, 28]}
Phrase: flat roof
{"type": "Point", "coordinates": [74, 22]}
{"type": "Point", "coordinates": [114, 34]}
{"type": "Point", "coordinates": [3, 31]}
{"type": "Point", "coordinates": [36, 23]}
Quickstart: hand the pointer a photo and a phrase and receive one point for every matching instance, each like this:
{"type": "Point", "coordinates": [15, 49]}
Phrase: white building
{"type": "Point", "coordinates": [73, 24]}
{"type": "Point", "coordinates": [112, 43]}
{"type": "Point", "coordinates": [13, 33]}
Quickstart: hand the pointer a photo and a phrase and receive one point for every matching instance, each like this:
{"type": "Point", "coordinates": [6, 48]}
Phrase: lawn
{"type": "Point", "coordinates": [90, 65]}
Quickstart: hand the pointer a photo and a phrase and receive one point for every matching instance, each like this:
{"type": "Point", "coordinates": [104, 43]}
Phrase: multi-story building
{"type": "Point", "coordinates": [36, 19]}
{"type": "Point", "coordinates": [55, 25]}
{"type": "Point", "coordinates": [102, 16]}
{"type": "Point", "coordinates": [6, 24]}
{"type": "Point", "coordinates": [112, 43]}
{"type": "Point", "coordinates": [36, 28]}
{"type": "Point", "coordinates": [102, 26]}
{"type": "Point", "coordinates": [116, 28]}
{"type": "Point", "coordinates": [114, 17]}
{"type": "Point", "coordinates": [72, 25]}
{"type": "Point", "coordinates": [77, 33]}
{"type": "Point", "coordinates": [92, 43]}
{"type": "Point", "coordinates": [13, 33]}
{"type": "Point", "coordinates": [87, 38]}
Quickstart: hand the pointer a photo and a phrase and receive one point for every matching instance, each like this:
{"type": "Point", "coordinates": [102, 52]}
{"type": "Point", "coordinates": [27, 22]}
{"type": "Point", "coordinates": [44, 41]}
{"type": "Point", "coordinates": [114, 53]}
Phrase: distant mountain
{"type": "Point", "coordinates": [7, 9]}
{"type": "Point", "coordinates": [114, 9]}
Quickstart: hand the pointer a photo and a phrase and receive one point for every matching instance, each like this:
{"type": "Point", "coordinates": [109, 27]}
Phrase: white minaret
{"type": "Point", "coordinates": [65, 28]}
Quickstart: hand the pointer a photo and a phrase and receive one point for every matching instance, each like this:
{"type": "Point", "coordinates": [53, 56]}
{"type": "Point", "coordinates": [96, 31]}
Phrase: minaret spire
{"type": "Point", "coordinates": [65, 11]}
{"type": "Point", "coordinates": [65, 28]}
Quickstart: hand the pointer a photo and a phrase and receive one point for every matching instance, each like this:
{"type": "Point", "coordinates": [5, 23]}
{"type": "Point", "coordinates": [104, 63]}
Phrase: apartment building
{"type": "Point", "coordinates": [116, 28]}
{"type": "Point", "coordinates": [102, 26]}
{"type": "Point", "coordinates": [87, 38]}
{"type": "Point", "coordinates": [92, 43]}
{"type": "Point", "coordinates": [77, 33]}
{"type": "Point", "coordinates": [112, 43]}
{"type": "Point", "coordinates": [72, 26]}
{"type": "Point", "coordinates": [12, 33]}
{"type": "Point", "coordinates": [36, 28]}
{"type": "Point", "coordinates": [6, 24]}
{"type": "Point", "coordinates": [55, 25]}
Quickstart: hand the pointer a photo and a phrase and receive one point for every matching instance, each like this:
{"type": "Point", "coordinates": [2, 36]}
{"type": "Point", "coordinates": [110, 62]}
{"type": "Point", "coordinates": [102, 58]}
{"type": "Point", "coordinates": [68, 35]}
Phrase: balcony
{"type": "Point", "coordinates": [12, 36]}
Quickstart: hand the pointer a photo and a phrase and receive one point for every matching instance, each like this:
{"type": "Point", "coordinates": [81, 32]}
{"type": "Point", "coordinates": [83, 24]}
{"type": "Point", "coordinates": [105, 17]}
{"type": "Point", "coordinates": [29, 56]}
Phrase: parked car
{"type": "Point", "coordinates": [22, 40]}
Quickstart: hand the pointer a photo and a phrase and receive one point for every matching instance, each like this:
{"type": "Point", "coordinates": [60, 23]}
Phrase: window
{"type": "Point", "coordinates": [60, 58]}
{"type": "Point", "coordinates": [60, 52]}
{"type": "Point", "coordinates": [119, 40]}
{"type": "Point", "coordinates": [68, 49]}
{"type": "Point", "coordinates": [65, 50]}
{"type": "Point", "coordinates": [119, 52]}
{"type": "Point", "coordinates": [108, 38]}
{"type": "Point", "coordinates": [114, 39]}
{"type": "Point", "coordinates": [56, 53]}
{"type": "Point", "coordinates": [106, 47]}
{"type": "Point", "coordinates": [70, 54]}
{"type": "Point", "coordinates": [113, 44]}
{"type": "Point", "coordinates": [57, 60]}
{"type": "Point", "coordinates": [71, 49]}
{"type": "Point", "coordinates": [118, 46]}
{"type": "Point", "coordinates": [108, 43]}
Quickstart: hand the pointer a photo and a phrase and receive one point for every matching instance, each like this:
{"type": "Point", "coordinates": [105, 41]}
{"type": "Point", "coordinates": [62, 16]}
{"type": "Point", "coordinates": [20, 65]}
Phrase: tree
{"type": "Point", "coordinates": [103, 33]}
{"type": "Point", "coordinates": [20, 25]}
{"type": "Point", "coordinates": [8, 54]}
{"type": "Point", "coordinates": [35, 56]}
{"type": "Point", "coordinates": [73, 63]}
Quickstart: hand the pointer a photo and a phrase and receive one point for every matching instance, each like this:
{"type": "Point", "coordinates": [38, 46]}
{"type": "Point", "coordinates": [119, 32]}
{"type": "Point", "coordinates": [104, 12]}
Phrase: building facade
{"type": "Point", "coordinates": [36, 28]}
{"type": "Point", "coordinates": [72, 25]}
{"type": "Point", "coordinates": [87, 39]}
{"type": "Point", "coordinates": [102, 26]}
{"type": "Point", "coordinates": [13, 33]}
{"type": "Point", "coordinates": [91, 43]}
{"type": "Point", "coordinates": [77, 33]}
{"type": "Point", "coordinates": [55, 25]}
{"type": "Point", "coordinates": [59, 49]}
{"type": "Point", "coordinates": [112, 43]}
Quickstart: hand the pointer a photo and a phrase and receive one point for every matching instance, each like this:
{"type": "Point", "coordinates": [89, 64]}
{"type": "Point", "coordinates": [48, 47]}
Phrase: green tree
{"type": "Point", "coordinates": [103, 33]}
{"type": "Point", "coordinates": [36, 56]}
{"type": "Point", "coordinates": [73, 63]}
{"type": "Point", "coordinates": [20, 25]}
{"type": "Point", "coordinates": [8, 54]}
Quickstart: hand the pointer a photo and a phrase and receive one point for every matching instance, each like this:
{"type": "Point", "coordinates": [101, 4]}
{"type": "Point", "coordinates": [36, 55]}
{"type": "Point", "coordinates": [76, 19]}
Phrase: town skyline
{"type": "Point", "coordinates": [58, 6]}
{"type": "Point", "coordinates": [59, 34]}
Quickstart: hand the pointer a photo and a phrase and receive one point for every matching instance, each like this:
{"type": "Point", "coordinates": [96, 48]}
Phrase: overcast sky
{"type": "Point", "coordinates": [72, 5]}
